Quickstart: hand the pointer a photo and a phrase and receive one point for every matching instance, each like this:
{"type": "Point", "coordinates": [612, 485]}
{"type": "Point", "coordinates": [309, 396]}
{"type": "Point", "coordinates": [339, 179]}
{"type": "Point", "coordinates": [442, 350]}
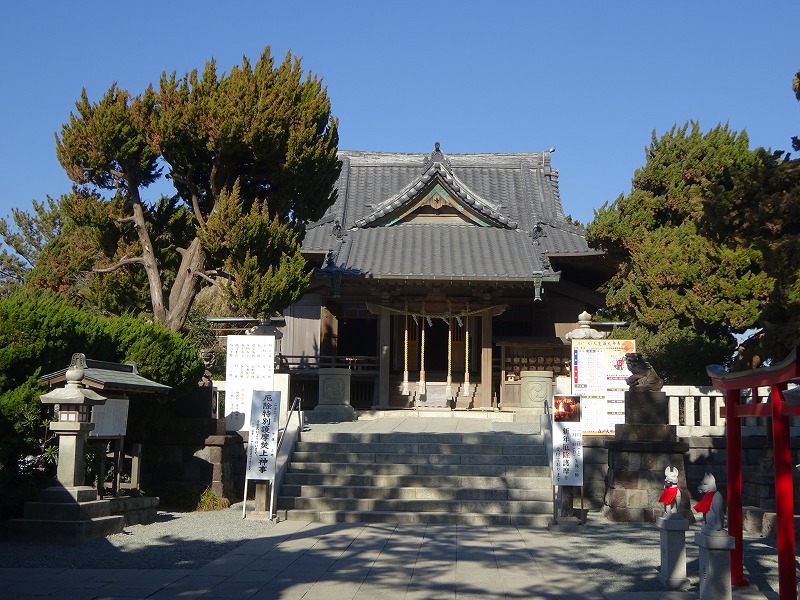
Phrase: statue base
{"type": "Point", "coordinates": [715, 564]}
{"type": "Point", "coordinates": [672, 572]}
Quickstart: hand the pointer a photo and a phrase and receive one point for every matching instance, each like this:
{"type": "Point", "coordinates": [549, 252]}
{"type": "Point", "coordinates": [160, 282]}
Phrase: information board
{"type": "Point", "coordinates": [598, 377]}
{"type": "Point", "coordinates": [110, 419]}
{"type": "Point", "coordinates": [250, 365]}
{"type": "Point", "coordinates": [262, 447]}
{"type": "Point", "coordinates": [567, 440]}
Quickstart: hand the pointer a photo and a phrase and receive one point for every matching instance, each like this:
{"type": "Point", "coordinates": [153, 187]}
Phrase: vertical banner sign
{"type": "Point", "coordinates": [262, 447]}
{"type": "Point", "coordinates": [567, 440]}
{"type": "Point", "coordinates": [250, 365]}
{"type": "Point", "coordinates": [598, 376]}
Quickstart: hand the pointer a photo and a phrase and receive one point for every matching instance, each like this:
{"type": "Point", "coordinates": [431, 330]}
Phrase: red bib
{"type": "Point", "coordinates": [668, 495]}
{"type": "Point", "coordinates": [705, 502]}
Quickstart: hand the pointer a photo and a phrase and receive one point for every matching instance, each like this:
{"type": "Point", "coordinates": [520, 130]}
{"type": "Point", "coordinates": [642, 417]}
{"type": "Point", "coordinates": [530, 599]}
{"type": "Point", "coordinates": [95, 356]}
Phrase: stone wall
{"type": "Point", "coordinates": [633, 480]}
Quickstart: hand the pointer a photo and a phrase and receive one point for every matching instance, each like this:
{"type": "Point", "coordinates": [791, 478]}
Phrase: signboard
{"type": "Point", "coordinates": [262, 447]}
{"type": "Point", "coordinates": [110, 419]}
{"type": "Point", "coordinates": [598, 377]}
{"type": "Point", "coordinates": [567, 440]}
{"type": "Point", "coordinates": [250, 365]}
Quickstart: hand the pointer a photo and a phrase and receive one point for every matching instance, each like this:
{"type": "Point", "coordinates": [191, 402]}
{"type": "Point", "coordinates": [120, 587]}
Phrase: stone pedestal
{"type": "Point", "coordinates": [536, 397]}
{"type": "Point", "coordinates": [646, 407]}
{"type": "Point", "coordinates": [334, 398]}
{"type": "Point", "coordinates": [642, 448]}
{"type": "Point", "coordinates": [637, 458]}
{"type": "Point", "coordinates": [672, 572]}
{"type": "Point", "coordinates": [715, 564]}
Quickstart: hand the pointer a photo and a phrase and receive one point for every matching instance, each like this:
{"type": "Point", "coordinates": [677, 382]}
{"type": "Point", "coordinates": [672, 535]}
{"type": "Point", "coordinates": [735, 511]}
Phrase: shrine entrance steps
{"type": "Point", "coordinates": [399, 400]}
{"type": "Point", "coordinates": [414, 476]}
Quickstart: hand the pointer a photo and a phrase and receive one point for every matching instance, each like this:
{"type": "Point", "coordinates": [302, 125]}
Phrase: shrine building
{"type": "Point", "coordinates": [440, 278]}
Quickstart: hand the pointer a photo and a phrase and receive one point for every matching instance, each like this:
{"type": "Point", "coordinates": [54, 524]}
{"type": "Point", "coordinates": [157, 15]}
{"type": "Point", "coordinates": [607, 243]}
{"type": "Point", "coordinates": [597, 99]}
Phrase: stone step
{"type": "Point", "coordinates": [474, 439]}
{"type": "Point", "coordinates": [540, 482]}
{"type": "Point", "coordinates": [420, 458]}
{"type": "Point", "coordinates": [415, 493]}
{"type": "Point", "coordinates": [68, 511]}
{"type": "Point", "coordinates": [426, 447]}
{"type": "Point", "coordinates": [345, 516]}
{"type": "Point", "coordinates": [78, 531]}
{"type": "Point", "coordinates": [476, 470]}
{"type": "Point", "coordinates": [492, 478]}
{"type": "Point", "coordinates": [499, 507]}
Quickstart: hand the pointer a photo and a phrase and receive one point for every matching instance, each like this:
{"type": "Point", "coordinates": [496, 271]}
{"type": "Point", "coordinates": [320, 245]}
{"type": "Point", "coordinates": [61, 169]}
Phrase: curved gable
{"type": "Point", "coordinates": [437, 195]}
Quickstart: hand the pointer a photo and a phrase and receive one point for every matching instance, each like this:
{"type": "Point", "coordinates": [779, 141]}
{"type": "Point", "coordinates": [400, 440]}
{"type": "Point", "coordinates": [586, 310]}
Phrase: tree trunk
{"type": "Point", "coordinates": [184, 288]}
{"type": "Point", "coordinates": [148, 257]}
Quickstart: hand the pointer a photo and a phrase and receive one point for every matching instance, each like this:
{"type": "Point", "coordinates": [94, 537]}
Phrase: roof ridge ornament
{"type": "Point", "coordinates": [437, 156]}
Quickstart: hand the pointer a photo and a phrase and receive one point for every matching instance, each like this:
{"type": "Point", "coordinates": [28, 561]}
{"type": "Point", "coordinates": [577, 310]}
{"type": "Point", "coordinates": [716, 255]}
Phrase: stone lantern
{"type": "Point", "coordinates": [73, 406]}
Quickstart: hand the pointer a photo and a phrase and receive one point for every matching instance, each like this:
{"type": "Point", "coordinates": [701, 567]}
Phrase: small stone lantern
{"type": "Point", "coordinates": [73, 405]}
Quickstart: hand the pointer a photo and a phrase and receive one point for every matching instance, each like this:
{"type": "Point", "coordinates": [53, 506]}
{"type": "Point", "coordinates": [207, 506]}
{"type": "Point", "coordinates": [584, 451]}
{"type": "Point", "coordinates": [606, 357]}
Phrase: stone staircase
{"type": "Point", "coordinates": [486, 478]}
{"type": "Point", "coordinates": [397, 399]}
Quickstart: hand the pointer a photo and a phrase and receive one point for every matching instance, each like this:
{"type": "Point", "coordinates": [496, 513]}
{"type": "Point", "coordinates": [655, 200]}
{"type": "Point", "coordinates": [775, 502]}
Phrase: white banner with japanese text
{"type": "Point", "coordinates": [567, 440]}
{"type": "Point", "coordinates": [250, 365]}
{"type": "Point", "coordinates": [262, 447]}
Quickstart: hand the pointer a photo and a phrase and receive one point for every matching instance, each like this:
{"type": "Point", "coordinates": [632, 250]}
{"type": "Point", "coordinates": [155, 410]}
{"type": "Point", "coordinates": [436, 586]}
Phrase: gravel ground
{"type": "Point", "coordinates": [175, 541]}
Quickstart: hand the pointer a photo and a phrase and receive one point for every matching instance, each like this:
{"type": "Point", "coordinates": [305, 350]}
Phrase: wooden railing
{"type": "Point", "coordinates": [291, 363]}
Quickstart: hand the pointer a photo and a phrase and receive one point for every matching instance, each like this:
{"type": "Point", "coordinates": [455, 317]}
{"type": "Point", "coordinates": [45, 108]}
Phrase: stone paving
{"type": "Point", "coordinates": [345, 561]}
{"type": "Point", "coordinates": [314, 561]}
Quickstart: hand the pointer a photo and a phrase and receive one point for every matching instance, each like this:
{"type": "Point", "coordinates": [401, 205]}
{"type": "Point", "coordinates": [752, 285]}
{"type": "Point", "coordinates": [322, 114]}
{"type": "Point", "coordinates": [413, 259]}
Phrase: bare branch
{"type": "Point", "coordinates": [197, 213]}
{"type": "Point", "coordinates": [210, 280]}
{"type": "Point", "coordinates": [219, 273]}
{"type": "Point", "coordinates": [125, 260]}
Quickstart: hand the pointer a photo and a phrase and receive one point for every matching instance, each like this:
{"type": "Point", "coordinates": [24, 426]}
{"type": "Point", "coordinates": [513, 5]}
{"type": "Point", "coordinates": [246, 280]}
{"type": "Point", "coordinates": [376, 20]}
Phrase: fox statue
{"type": "Point", "coordinates": [710, 504]}
{"type": "Point", "coordinates": [671, 496]}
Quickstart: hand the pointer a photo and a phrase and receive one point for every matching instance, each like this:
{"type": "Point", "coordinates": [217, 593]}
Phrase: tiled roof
{"type": "Point", "coordinates": [516, 192]}
{"type": "Point", "coordinates": [109, 376]}
{"type": "Point", "coordinates": [430, 251]}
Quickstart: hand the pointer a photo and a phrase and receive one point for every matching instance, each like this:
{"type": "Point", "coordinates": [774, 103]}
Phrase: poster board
{"type": "Point", "coordinates": [110, 418]}
{"type": "Point", "coordinates": [262, 446]}
{"type": "Point", "coordinates": [567, 440]}
{"type": "Point", "coordinates": [250, 365]}
{"type": "Point", "coordinates": [598, 377]}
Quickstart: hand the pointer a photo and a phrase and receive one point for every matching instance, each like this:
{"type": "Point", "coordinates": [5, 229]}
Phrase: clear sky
{"type": "Point", "coordinates": [593, 79]}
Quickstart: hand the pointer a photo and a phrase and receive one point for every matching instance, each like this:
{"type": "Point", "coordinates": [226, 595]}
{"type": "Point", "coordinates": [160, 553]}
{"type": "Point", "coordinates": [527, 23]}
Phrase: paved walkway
{"type": "Point", "coordinates": [314, 561]}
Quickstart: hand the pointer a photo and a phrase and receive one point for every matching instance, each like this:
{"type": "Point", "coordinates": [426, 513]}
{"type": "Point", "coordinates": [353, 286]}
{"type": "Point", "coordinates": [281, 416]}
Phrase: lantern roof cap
{"type": "Point", "coordinates": [106, 376]}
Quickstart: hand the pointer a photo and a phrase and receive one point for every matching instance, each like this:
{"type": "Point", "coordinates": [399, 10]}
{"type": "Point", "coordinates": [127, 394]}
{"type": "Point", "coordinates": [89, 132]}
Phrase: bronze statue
{"type": "Point", "coordinates": [643, 377]}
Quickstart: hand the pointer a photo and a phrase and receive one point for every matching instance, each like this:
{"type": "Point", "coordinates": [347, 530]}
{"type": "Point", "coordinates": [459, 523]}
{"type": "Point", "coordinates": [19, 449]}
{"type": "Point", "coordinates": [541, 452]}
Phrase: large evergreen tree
{"type": "Point", "coordinates": [759, 207]}
{"type": "Point", "coordinates": [252, 154]}
{"type": "Point", "coordinates": [682, 287]}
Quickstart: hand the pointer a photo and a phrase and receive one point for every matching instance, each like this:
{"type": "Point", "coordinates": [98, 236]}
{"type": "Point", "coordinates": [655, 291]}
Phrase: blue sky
{"type": "Point", "coordinates": [592, 79]}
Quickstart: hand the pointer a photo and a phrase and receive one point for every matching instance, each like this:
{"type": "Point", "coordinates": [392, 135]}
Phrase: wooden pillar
{"type": "Point", "coordinates": [784, 496]}
{"type": "Point", "coordinates": [384, 366]}
{"type": "Point", "coordinates": [466, 354]}
{"type": "Point", "coordinates": [449, 389]}
{"type": "Point", "coordinates": [734, 422]}
{"type": "Point", "coordinates": [404, 389]}
{"type": "Point", "coordinates": [421, 385]}
{"type": "Point", "coordinates": [486, 360]}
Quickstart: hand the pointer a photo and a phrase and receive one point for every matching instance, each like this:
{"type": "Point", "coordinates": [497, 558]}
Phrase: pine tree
{"type": "Point", "coordinates": [252, 155]}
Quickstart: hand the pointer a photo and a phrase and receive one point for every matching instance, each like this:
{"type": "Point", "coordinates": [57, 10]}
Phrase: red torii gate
{"type": "Point", "coordinates": [776, 377]}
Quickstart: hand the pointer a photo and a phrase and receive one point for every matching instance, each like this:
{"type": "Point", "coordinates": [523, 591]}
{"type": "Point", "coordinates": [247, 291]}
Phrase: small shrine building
{"type": "Point", "coordinates": [441, 276]}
